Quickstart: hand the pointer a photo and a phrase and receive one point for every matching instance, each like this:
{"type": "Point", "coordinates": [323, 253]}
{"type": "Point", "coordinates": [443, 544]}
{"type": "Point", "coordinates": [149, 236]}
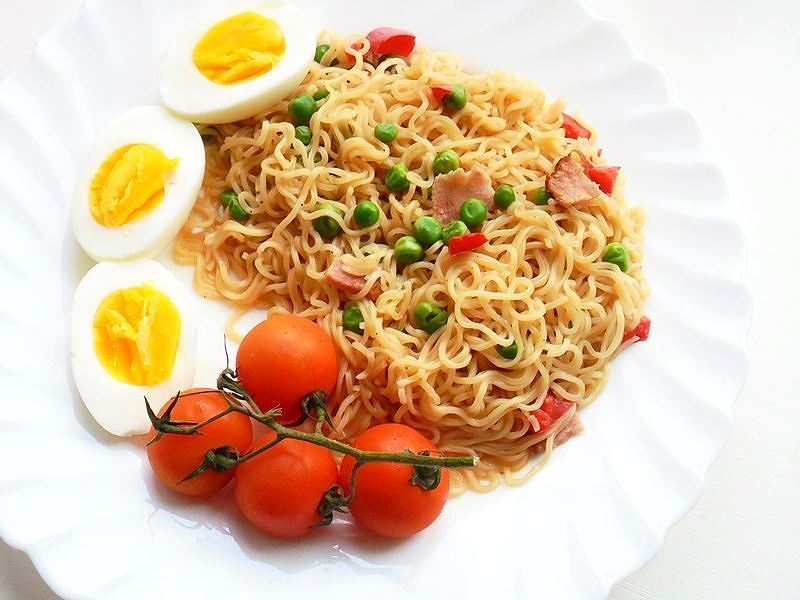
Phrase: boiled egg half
{"type": "Point", "coordinates": [138, 185]}
{"type": "Point", "coordinates": [134, 330]}
{"type": "Point", "coordinates": [237, 59]}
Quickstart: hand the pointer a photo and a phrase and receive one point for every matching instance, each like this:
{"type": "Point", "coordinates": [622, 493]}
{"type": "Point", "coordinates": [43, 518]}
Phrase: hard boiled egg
{"type": "Point", "coordinates": [134, 329]}
{"type": "Point", "coordinates": [138, 185]}
{"type": "Point", "coordinates": [237, 59]}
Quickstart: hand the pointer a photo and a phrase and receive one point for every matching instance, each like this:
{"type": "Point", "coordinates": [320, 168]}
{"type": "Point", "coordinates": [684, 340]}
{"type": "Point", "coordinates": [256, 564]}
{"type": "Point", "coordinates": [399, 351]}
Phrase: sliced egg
{"type": "Point", "coordinates": [138, 185]}
{"type": "Point", "coordinates": [237, 59]}
{"type": "Point", "coordinates": [134, 331]}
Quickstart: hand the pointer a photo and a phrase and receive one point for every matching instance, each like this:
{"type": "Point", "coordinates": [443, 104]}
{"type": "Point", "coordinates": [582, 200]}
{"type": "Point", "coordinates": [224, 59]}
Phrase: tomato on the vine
{"type": "Point", "coordinates": [279, 490]}
{"type": "Point", "coordinates": [174, 455]}
{"type": "Point", "coordinates": [282, 360]}
{"type": "Point", "coordinates": [386, 501]}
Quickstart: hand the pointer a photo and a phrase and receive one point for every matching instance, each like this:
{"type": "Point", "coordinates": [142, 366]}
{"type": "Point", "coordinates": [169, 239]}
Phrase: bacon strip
{"type": "Point", "coordinates": [345, 281]}
{"type": "Point", "coordinates": [568, 183]}
{"type": "Point", "coordinates": [451, 190]}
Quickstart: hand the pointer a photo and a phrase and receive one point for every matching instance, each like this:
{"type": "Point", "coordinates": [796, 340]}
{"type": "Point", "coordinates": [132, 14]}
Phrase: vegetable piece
{"type": "Point", "coordinates": [302, 107]}
{"type": "Point", "coordinates": [236, 210]}
{"type": "Point", "coordinates": [540, 196]}
{"type": "Point", "coordinates": [326, 226]}
{"type": "Point", "coordinates": [445, 161]}
{"type": "Point", "coordinates": [366, 213]}
{"type": "Point", "coordinates": [510, 352]}
{"type": "Point", "coordinates": [388, 40]}
{"type": "Point", "coordinates": [408, 250]}
{"type": "Point", "coordinates": [452, 189]}
{"type": "Point", "coordinates": [427, 230]}
{"type": "Point", "coordinates": [279, 490]}
{"type": "Point", "coordinates": [353, 319]}
{"type": "Point", "coordinates": [387, 499]}
{"type": "Point", "coordinates": [504, 196]}
{"type": "Point", "coordinates": [465, 243]}
{"type": "Point", "coordinates": [604, 177]}
{"type": "Point", "coordinates": [228, 196]}
{"type": "Point", "coordinates": [429, 317]}
{"type": "Point", "coordinates": [397, 178]}
{"type": "Point", "coordinates": [303, 133]}
{"type": "Point", "coordinates": [453, 229]}
{"type": "Point", "coordinates": [453, 97]}
{"type": "Point", "coordinates": [174, 456]}
{"type": "Point", "coordinates": [552, 409]}
{"type": "Point", "coordinates": [321, 94]}
{"type": "Point", "coordinates": [386, 132]}
{"type": "Point", "coordinates": [573, 129]}
{"type": "Point", "coordinates": [440, 91]}
{"type": "Point", "coordinates": [282, 360]}
{"type": "Point", "coordinates": [617, 254]}
{"type": "Point", "coordinates": [640, 333]}
{"type": "Point", "coordinates": [569, 184]}
{"type": "Point", "coordinates": [322, 50]}
{"type": "Point", "coordinates": [473, 213]}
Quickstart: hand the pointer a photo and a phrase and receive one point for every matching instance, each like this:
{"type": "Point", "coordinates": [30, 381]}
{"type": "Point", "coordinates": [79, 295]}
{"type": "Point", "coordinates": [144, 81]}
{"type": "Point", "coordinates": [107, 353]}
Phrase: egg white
{"type": "Point", "coordinates": [147, 236]}
{"type": "Point", "coordinates": [187, 92]}
{"type": "Point", "coordinates": [119, 407]}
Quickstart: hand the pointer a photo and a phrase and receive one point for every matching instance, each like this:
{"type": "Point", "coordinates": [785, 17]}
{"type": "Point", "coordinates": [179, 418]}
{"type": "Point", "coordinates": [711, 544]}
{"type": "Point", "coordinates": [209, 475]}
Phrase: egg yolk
{"type": "Point", "coordinates": [129, 184]}
{"type": "Point", "coordinates": [239, 48]}
{"type": "Point", "coordinates": [136, 334]}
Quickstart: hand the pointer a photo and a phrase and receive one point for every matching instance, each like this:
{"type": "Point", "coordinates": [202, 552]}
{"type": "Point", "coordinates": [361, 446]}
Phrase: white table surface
{"type": "Point", "coordinates": [736, 64]}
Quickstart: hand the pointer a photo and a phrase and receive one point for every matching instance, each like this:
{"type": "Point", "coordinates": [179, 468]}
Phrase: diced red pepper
{"type": "Point", "coordinates": [466, 242]}
{"type": "Point", "coordinates": [605, 177]}
{"type": "Point", "coordinates": [573, 129]}
{"type": "Point", "coordinates": [551, 411]}
{"type": "Point", "coordinates": [441, 91]}
{"type": "Point", "coordinates": [641, 332]}
{"type": "Point", "coordinates": [388, 40]}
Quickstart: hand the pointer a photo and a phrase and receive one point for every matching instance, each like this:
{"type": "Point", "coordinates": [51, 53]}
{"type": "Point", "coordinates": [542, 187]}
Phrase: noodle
{"type": "Point", "coordinates": [540, 279]}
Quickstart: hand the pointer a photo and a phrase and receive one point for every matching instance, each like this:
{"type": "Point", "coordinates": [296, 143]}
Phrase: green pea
{"type": "Point", "coordinates": [473, 212]}
{"type": "Point", "coordinates": [397, 178]}
{"type": "Point", "coordinates": [303, 133]}
{"type": "Point", "coordinates": [327, 226]}
{"type": "Point", "coordinates": [386, 132]}
{"type": "Point", "coordinates": [429, 317]}
{"type": "Point", "coordinates": [617, 254]}
{"type": "Point", "coordinates": [366, 213]}
{"type": "Point", "coordinates": [321, 94]}
{"type": "Point", "coordinates": [408, 250]}
{"type": "Point", "coordinates": [457, 98]}
{"type": "Point", "coordinates": [454, 229]}
{"type": "Point", "coordinates": [322, 50]}
{"type": "Point", "coordinates": [540, 196]}
{"type": "Point", "coordinates": [445, 161]}
{"type": "Point", "coordinates": [228, 196]}
{"type": "Point", "coordinates": [510, 352]}
{"type": "Point", "coordinates": [302, 107]}
{"type": "Point", "coordinates": [427, 230]}
{"type": "Point", "coordinates": [504, 196]}
{"type": "Point", "coordinates": [352, 319]}
{"type": "Point", "coordinates": [236, 210]}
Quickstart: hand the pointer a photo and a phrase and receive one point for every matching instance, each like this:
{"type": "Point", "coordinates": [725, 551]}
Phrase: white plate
{"type": "Point", "coordinates": [84, 505]}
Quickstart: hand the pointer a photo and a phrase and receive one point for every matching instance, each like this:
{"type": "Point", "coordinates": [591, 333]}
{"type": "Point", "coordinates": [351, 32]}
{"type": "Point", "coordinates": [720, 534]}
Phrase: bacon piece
{"type": "Point", "coordinates": [451, 190]}
{"type": "Point", "coordinates": [574, 427]}
{"type": "Point", "coordinates": [568, 183]}
{"type": "Point", "coordinates": [345, 281]}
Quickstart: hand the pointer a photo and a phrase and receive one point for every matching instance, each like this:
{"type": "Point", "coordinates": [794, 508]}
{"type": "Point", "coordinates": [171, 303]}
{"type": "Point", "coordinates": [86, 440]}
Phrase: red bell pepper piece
{"type": "Point", "coordinates": [388, 40]}
{"type": "Point", "coordinates": [573, 129]}
{"type": "Point", "coordinates": [466, 242]}
{"type": "Point", "coordinates": [441, 91]}
{"type": "Point", "coordinates": [641, 332]}
{"type": "Point", "coordinates": [551, 411]}
{"type": "Point", "coordinates": [605, 177]}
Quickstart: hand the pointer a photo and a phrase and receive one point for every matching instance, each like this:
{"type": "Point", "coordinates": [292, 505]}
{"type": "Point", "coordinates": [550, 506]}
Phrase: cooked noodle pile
{"type": "Point", "coordinates": [540, 279]}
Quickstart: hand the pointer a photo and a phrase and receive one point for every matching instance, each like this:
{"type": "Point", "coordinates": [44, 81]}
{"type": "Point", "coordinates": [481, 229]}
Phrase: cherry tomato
{"type": "Point", "coordinates": [279, 490]}
{"type": "Point", "coordinates": [386, 502]}
{"type": "Point", "coordinates": [176, 455]}
{"type": "Point", "coordinates": [282, 360]}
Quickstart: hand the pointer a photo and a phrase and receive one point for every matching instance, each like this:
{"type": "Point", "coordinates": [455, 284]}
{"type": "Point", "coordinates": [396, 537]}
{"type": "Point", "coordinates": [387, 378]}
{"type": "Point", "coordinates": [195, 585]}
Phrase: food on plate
{"type": "Point", "coordinates": [175, 457]}
{"type": "Point", "coordinates": [392, 499]}
{"type": "Point", "coordinates": [137, 185]}
{"type": "Point", "coordinates": [133, 332]}
{"type": "Point", "coordinates": [236, 59]}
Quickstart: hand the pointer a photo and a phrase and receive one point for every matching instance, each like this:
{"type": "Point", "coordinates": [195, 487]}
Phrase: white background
{"type": "Point", "coordinates": [736, 64]}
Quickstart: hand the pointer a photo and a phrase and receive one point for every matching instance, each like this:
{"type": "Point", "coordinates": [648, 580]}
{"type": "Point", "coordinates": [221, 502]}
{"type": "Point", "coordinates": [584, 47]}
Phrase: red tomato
{"type": "Point", "coordinates": [604, 177]}
{"type": "Point", "coordinates": [282, 360]}
{"type": "Point", "coordinates": [388, 40]}
{"type": "Point", "coordinates": [386, 502]}
{"type": "Point", "coordinates": [466, 242]}
{"type": "Point", "coordinates": [641, 332]}
{"type": "Point", "coordinates": [573, 129]}
{"type": "Point", "coordinates": [440, 92]}
{"type": "Point", "coordinates": [175, 455]}
{"type": "Point", "coordinates": [552, 409]}
{"type": "Point", "coordinates": [279, 490]}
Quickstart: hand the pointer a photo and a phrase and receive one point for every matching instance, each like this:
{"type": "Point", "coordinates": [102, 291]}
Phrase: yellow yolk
{"type": "Point", "coordinates": [129, 184]}
{"type": "Point", "coordinates": [239, 48]}
{"type": "Point", "coordinates": [136, 334]}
